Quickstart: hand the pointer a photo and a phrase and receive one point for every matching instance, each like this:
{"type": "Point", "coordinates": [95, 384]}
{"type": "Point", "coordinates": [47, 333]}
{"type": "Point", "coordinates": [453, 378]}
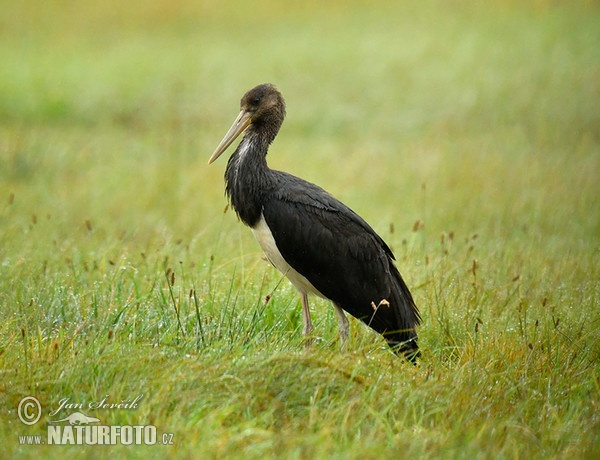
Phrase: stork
{"type": "Point", "coordinates": [321, 245]}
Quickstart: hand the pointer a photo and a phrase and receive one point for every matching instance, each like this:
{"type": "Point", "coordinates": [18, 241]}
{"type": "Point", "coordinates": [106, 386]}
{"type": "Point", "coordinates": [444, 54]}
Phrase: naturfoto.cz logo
{"type": "Point", "coordinates": [78, 428]}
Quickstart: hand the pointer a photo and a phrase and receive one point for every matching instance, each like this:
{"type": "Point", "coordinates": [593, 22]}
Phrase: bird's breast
{"type": "Point", "coordinates": [265, 239]}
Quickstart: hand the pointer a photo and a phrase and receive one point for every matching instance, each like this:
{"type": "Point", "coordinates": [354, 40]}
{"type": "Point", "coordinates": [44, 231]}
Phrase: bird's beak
{"type": "Point", "coordinates": [239, 125]}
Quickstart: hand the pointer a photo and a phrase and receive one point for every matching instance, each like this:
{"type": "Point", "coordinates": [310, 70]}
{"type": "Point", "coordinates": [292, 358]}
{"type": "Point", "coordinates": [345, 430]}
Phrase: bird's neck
{"type": "Point", "coordinates": [248, 178]}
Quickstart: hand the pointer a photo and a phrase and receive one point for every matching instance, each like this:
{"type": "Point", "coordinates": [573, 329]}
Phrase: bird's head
{"type": "Point", "coordinates": [262, 108]}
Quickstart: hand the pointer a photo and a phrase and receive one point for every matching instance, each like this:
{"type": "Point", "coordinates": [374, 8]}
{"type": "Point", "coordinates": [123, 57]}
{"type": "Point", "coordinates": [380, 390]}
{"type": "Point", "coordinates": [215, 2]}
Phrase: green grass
{"type": "Point", "coordinates": [468, 136]}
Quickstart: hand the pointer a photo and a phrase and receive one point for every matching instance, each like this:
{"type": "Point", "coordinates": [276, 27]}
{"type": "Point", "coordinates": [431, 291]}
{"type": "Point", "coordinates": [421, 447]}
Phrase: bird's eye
{"type": "Point", "coordinates": [256, 100]}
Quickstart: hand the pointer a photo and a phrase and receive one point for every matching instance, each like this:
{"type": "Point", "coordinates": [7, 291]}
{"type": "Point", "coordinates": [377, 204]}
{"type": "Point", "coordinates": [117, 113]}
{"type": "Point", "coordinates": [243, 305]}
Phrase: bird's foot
{"type": "Point", "coordinates": [308, 341]}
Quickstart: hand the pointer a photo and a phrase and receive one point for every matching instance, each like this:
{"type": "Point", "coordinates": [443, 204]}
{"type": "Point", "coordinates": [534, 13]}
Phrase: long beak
{"type": "Point", "coordinates": [239, 125]}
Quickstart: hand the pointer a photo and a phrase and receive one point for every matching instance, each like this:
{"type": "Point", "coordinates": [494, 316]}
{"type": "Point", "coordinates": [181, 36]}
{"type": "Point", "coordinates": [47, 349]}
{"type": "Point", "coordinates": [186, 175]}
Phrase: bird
{"type": "Point", "coordinates": [321, 245]}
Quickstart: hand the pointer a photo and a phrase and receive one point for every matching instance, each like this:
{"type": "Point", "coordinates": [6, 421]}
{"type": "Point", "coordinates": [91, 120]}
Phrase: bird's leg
{"type": "Point", "coordinates": [343, 325]}
{"type": "Point", "coordinates": [308, 327]}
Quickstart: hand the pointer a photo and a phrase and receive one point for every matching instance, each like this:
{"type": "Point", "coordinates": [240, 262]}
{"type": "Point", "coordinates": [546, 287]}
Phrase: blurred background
{"type": "Point", "coordinates": [469, 117]}
{"type": "Point", "coordinates": [466, 133]}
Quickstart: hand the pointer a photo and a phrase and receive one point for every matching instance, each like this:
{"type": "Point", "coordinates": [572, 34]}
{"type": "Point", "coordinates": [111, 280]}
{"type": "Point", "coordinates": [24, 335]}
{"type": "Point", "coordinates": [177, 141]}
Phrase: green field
{"type": "Point", "coordinates": [466, 133]}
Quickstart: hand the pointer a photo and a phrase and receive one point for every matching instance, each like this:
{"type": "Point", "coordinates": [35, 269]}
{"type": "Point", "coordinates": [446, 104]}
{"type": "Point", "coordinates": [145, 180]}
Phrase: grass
{"type": "Point", "coordinates": [467, 135]}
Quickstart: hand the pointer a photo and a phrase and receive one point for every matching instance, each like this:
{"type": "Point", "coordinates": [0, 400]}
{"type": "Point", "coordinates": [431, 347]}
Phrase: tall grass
{"type": "Point", "coordinates": [467, 135]}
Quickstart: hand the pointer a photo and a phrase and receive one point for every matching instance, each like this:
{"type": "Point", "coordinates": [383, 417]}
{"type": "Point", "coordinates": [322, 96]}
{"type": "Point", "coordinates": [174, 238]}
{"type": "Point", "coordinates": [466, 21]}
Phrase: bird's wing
{"type": "Point", "coordinates": [338, 252]}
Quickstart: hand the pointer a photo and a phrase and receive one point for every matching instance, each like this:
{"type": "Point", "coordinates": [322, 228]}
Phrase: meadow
{"type": "Point", "coordinates": [466, 133]}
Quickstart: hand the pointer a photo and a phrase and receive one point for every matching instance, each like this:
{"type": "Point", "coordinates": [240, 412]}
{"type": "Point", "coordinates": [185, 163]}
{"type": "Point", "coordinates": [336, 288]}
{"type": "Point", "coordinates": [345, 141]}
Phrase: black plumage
{"type": "Point", "coordinates": [323, 246]}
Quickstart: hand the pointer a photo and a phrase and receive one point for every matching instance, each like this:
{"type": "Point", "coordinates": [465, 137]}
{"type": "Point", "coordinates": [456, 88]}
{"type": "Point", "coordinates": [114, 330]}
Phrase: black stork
{"type": "Point", "coordinates": [317, 242]}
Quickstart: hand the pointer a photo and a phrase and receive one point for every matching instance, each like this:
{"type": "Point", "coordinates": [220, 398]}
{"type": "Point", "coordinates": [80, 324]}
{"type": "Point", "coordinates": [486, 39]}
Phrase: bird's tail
{"type": "Point", "coordinates": [401, 317]}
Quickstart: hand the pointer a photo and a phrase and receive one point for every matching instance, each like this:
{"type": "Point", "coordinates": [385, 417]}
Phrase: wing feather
{"type": "Point", "coordinates": [341, 255]}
